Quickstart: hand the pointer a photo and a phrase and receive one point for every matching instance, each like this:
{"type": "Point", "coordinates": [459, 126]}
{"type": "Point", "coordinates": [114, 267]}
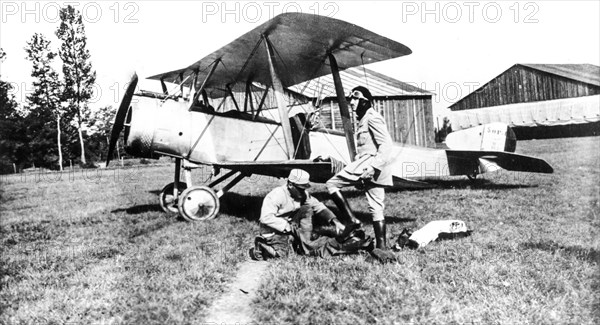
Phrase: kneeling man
{"type": "Point", "coordinates": [289, 210]}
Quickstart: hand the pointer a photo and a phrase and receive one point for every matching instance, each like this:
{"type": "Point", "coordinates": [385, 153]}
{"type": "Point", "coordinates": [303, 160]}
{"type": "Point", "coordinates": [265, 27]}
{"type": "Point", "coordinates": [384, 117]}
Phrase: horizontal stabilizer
{"type": "Point", "coordinates": [506, 160]}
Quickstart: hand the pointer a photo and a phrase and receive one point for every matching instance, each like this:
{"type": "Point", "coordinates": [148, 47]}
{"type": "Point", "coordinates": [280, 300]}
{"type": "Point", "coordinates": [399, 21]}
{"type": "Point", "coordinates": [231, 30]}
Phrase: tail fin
{"type": "Point", "coordinates": [487, 137]}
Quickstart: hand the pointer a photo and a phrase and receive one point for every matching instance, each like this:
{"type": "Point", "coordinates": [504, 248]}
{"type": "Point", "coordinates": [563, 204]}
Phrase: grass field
{"type": "Point", "coordinates": [93, 246]}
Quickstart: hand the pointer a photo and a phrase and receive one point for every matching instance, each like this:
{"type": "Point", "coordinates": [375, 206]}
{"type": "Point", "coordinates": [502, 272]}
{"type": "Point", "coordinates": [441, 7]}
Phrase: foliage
{"type": "Point", "coordinates": [77, 70]}
{"type": "Point", "coordinates": [440, 135]}
{"type": "Point", "coordinates": [100, 123]}
{"type": "Point", "coordinates": [45, 111]}
{"type": "Point", "coordinates": [13, 144]}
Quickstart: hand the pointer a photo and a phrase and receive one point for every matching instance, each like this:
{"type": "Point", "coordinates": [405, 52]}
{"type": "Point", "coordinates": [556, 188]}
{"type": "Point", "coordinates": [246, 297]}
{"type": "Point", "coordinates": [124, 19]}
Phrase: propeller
{"type": "Point", "coordinates": [120, 117]}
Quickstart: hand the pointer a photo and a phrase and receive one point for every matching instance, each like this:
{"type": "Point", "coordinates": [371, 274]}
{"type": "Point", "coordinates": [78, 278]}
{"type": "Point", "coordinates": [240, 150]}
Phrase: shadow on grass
{"type": "Point", "coordinates": [349, 193]}
{"type": "Point", "coordinates": [155, 192]}
{"type": "Point", "coordinates": [399, 220]}
{"type": "Point", "coordinates": [241, 206]}
{"type": "Point", "coordinates": [482, 184]}
{"type": "Point", "coordinates": [587, 254]}
{"type": "Point", "coordinates": [138, 209]}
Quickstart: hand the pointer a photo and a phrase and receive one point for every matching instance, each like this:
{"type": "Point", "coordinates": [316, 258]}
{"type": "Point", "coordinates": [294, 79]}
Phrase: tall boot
{"type": "Point", "coordinates": [347, 216]}
{"type": "Point", "coordinates": [380, 234]}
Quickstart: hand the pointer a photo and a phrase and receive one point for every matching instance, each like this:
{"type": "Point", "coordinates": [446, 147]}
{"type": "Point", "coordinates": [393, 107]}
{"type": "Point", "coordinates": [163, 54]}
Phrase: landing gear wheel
{"type": "Point", "coordinates": [472, 177]}
{"type": "Point", "coordinates": [198, 203]}
{"type": "Point", "coordinates": [167, 201]}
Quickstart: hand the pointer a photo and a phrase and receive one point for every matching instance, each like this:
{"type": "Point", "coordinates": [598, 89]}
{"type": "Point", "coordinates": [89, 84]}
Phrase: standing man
{"type": "Point", "coordinates": [370, 170]}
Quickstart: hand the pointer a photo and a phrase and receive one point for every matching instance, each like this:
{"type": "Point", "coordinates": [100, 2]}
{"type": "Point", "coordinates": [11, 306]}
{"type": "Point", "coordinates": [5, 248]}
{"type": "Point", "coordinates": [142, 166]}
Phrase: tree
{"type": "Point", "coordinates": [100, 128]}
{"type": "Point", "coordinates": [13, 140]}
{"type": "Point", "coordinates": [45, 100]}
{"type": "Point", "coordinates": [79, 77]}
{"type": "Point", "coordinates": [446, 129]}
{"type": "Point", "coordinates": [7, 102]}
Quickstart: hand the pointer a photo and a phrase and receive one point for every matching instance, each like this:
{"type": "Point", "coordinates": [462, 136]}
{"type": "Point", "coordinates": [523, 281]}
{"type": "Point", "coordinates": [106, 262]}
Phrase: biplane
{"type": "Point", "coordinates": [192, 124]}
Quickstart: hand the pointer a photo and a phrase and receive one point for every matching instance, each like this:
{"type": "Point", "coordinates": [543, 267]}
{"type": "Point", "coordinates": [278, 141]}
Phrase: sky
{"type": "Point", "coordinates": [457, 45]}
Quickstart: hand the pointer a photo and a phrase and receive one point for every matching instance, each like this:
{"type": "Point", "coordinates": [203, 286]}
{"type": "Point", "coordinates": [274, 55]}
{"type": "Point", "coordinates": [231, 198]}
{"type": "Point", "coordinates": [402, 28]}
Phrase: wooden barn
{"type": "Point", "coordinates": [537, 100]}
{"type": "Point", "coordinates": [407, 109]}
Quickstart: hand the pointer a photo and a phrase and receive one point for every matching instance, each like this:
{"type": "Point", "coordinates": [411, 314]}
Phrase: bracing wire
{"type": "Point", "coordinates": [363, 68]}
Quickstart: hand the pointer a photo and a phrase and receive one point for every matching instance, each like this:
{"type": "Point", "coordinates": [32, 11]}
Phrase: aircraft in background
{"type": "Point", "coordinates": [192, 124]}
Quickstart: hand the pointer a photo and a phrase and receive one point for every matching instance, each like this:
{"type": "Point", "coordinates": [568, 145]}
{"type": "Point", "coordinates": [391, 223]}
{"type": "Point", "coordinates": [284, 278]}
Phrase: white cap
{"type": "Point", "coordinates": [299, 178]}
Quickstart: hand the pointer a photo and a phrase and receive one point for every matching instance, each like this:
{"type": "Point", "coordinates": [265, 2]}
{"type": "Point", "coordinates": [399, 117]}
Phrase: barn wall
{"type": "Point", "coordinates": [409, 120]}
{"type": "Point", "coordinates": [521, 84]}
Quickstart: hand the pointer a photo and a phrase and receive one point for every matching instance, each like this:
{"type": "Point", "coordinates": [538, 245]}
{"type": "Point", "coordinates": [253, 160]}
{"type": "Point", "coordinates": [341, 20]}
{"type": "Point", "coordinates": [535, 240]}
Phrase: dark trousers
{"type": "Point", "coordinates": [306, 242]}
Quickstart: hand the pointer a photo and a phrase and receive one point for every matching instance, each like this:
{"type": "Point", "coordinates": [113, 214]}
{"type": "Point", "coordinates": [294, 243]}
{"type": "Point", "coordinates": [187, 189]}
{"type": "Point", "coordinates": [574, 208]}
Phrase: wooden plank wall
{"type": "Point", "coordinates": [409, 120]}
{"type": "Point", "coordinates": [521, 84]}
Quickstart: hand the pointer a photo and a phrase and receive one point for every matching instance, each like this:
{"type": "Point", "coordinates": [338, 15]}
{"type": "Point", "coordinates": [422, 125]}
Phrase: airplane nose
{"type": "Point", "coordinates": [120, 117]}
{"type": "Point", "coordinates": [139, 131]}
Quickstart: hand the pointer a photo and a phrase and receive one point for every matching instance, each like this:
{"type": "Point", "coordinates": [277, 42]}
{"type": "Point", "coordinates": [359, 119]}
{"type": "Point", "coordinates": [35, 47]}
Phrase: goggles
{"type": "Point", "coordinates": [356, 95]}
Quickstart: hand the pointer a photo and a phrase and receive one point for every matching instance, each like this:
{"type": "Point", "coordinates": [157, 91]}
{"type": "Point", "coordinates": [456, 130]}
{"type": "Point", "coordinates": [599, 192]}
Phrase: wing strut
{"type": "Point", "coordinates": [262, 102]}
{"type": "Point", "coordinates": [346, 121]}
{"type": "Point", "coordinates": [278, 90]}
{"type": "Point", "coordinates": [230, 92]}
{"type": "Point", "coordinates": [248, 97]}
{"type": "Point", "coordinates": [201, 89]}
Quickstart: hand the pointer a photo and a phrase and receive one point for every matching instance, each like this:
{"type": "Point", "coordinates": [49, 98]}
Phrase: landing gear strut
{"type": "Point", "coordinates": [472, 177]}
{"type": "Point", "coordinates": [194, 203]}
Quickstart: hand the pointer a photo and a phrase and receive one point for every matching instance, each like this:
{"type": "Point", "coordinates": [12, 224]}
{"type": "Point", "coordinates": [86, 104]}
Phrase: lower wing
{"type": "Point", "coordinates": [319, 172]}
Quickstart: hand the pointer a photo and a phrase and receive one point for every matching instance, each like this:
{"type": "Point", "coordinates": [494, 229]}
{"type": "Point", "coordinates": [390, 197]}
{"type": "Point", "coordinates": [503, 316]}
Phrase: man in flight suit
{"type": "Point", "coordinates": [370, 170]}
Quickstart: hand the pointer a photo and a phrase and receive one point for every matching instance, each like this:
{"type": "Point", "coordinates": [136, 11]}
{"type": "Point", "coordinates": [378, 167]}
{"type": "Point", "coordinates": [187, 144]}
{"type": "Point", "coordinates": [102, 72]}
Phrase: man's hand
{"type": "Point", "coordinates": [289, 229]}
{"type": "Point", "coordinates": [368, 173]}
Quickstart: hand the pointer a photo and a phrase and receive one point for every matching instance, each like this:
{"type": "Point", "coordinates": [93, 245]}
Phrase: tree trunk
{"type": "Point", "coordinates": [60, 157]}
{"type": "Point", "coordinates": [80, 133]}
{"type": "Point", "coordinates": [81, 143]}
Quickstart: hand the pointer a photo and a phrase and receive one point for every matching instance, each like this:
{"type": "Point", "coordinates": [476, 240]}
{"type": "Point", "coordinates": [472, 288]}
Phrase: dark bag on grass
{"type": "Point", "coordinates": [270, 246]}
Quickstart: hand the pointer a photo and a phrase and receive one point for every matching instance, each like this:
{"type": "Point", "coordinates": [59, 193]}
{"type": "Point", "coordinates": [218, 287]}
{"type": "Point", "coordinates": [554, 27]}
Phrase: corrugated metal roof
{"type": "Point", "coordinates": [587, 73]}
{"type": "Point", "coordinates": [379, 84]}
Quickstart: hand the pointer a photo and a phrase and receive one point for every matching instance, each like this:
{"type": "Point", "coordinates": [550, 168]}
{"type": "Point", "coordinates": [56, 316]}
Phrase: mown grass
{"type": "Point", "coordinates": [533, 257]}
{"type": "Point", "coordinates": [95, 247]}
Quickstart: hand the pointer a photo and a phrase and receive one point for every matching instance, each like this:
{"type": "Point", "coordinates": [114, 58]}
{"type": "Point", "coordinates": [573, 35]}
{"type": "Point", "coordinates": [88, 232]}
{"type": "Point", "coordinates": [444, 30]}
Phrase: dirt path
{"type": "Point", "coordinates": [234, 305]}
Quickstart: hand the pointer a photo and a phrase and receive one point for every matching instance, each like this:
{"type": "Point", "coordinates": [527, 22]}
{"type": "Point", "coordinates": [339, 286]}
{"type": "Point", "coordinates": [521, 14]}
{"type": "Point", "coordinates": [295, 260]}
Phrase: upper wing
{"type": "Point", "coordinates": [319, 172]}
{"type": "Point", "coordinates": [301, 43]}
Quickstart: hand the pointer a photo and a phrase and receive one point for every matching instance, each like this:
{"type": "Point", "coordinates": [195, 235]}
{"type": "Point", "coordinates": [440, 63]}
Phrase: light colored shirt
{"type": "Point", "coordinates": [373, 138]}
{"type": "Point", "coordinates": [279, 202]}
{"type": "Point", "coordinates": [374, 148]}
